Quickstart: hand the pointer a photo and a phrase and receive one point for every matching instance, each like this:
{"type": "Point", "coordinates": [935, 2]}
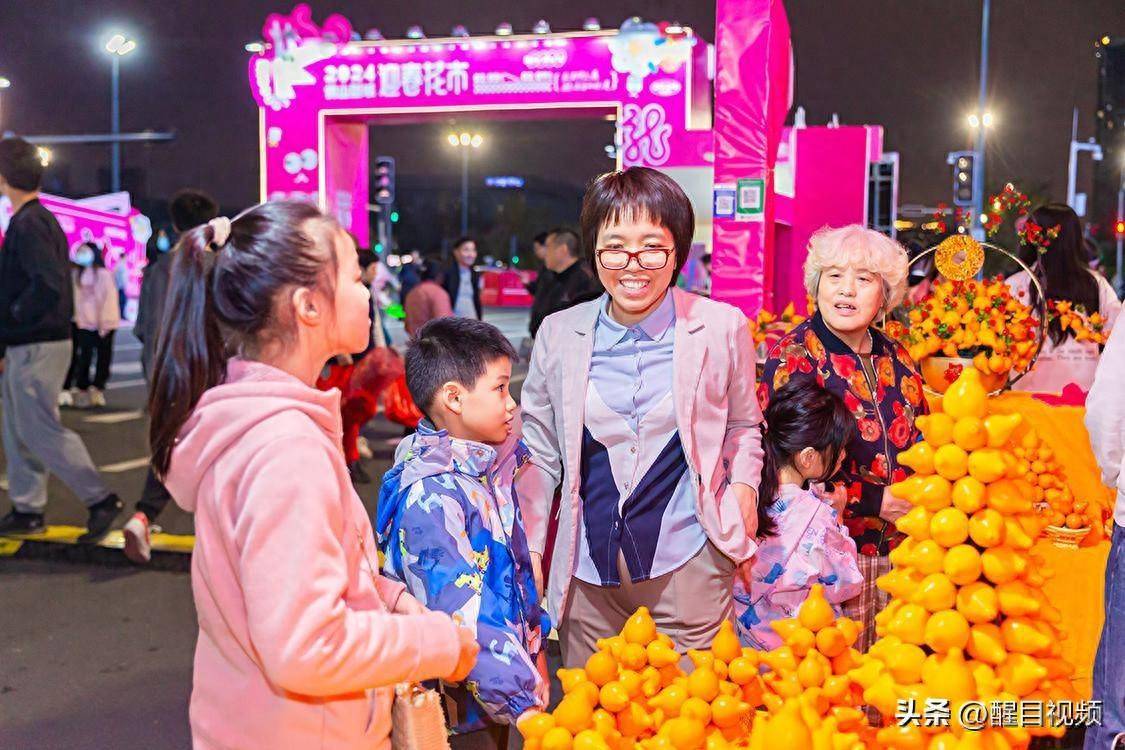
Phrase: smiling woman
{"type": "Point", "coordinates": [855, 275]}
{"type": "Point", "coordinates": [641, 406]}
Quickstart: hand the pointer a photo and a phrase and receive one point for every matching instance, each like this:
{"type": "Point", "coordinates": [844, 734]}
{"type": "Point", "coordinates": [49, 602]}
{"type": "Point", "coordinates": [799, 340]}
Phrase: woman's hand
{"type": "Point", "coordinates": [743, 571]}
{"type": "Point", "coordinates": [468, 648]}
{"type": "Point", "coordinates": [893, 507]}
{"type": "Point", "coordinates": [747, 498]}
{"type": "Point", "coordinates": [408, 605]}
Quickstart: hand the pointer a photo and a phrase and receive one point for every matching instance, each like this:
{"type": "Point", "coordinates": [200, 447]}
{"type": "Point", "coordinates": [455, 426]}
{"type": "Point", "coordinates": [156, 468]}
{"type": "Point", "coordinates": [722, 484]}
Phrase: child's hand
{"type": "Point", "coordinates": [467, 658]}
{"type": "Point", "coordinates": [543, 692]}
{"type": "Point", "coordinates": [408, 605]}
{"type": "Point", "coordinates": [537, 571]}
{"type": "Point", "coordinates": [743, 571]}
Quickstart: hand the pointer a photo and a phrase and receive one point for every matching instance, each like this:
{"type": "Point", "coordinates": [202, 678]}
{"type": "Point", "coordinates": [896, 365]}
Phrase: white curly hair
{"type": "Point", "coordinates": [857, 246]}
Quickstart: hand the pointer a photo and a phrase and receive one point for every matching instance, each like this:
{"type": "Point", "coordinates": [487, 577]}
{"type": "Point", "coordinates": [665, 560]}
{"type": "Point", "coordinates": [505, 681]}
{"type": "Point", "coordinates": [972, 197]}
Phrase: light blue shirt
{"type": "Point", "coordinates": [463, 306]}
{"type": "Point", "coordinates": [632, 366]}
{"type": "Point", "coordinates": [639, 495]}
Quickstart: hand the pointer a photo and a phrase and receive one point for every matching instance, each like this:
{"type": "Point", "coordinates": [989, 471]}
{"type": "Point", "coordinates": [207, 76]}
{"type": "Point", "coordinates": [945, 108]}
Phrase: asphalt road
{"type": "Point", "coordinates": [94, 657]}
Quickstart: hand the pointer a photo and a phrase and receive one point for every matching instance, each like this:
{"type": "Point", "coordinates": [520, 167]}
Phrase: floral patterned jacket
{"type": "Point", "coordinates": [884, 413]}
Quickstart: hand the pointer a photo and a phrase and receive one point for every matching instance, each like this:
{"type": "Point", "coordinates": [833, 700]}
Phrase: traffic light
{"type": "Point", "coordinates": [394, 217]}
{"type": "Point", "coordinates": [963, 164]}
{"type": "Point", "coordinates": [1119, 229]}
{"type": "Point", "coordinates": [384, 180]}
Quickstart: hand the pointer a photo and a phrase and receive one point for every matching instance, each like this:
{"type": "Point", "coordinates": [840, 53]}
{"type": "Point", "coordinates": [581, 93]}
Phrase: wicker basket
{"type": "Point", "coordinates": [417, 720]}
{"type": "Point", "coordinates": [1066, 538]}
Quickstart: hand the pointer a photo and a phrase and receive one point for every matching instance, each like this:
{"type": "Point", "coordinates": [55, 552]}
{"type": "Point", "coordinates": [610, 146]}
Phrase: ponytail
{"type": "Point", "coordinates": [226, 280]}
{"type": "Point", "coordinates": [801, 414]}
{"type": "Point", "coordinates": [190, 356]}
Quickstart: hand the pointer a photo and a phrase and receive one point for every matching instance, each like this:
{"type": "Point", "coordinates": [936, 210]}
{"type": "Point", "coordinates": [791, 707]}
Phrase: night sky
{"type": "Point", "coordinates": [910, 65]}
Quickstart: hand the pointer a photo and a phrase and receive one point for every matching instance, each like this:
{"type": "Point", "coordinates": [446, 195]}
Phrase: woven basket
{"type": "Point", "coordinates": [1066, 538]}
{"type": "Point", "coordinates": [417, 721]}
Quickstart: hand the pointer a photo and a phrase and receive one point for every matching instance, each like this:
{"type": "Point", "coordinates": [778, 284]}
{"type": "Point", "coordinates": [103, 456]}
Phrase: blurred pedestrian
{"type": "Point", "coordinates": [36, 307]}
{"type": "Point", "coordinates": [428, 300]}
{"type": "Point", "coordinates": [96, 318]}
{"type": "Point", "coordinates": [571, 282]}
{"type": "Point", "coordinates": [188, 208]}
{"type": "Point", "coordinates": [462, 282]}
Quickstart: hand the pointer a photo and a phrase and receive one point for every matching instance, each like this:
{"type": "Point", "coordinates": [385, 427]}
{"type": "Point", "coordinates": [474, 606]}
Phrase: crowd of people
{"type": "Point", "coordinates": [647, 463]}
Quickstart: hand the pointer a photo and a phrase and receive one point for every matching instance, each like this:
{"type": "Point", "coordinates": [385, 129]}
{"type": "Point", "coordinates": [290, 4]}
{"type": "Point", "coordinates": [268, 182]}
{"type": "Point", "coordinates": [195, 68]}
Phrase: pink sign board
{"type": "Point", "coordinates": [311, 79]}
{"type": "Point", "coordinates": [122, 237]}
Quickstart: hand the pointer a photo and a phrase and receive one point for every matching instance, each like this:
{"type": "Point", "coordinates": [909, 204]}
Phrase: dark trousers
{"type": "Point", "coordinates": [153, 497]}
{"type": "Point", "coordinates": [87, 345]}
{"type": "Point", "coordinates": [492, 737]}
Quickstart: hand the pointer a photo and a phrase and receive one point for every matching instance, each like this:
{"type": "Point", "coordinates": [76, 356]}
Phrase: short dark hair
{"type": "Point", "coordinates": [541, 238]}
{"type": "Point", "coordinates": [20, 164]}
{"type": "Point", "coordinates": [451, 349]}
{"type": "Point", "coordinates": [462, 240]}
{"type": "Point", "coordinates": [190, 208]}
{"type": "Point", "coordinates": [638, 192]}
{"type": "Point", "coordinates": [366, 257]}
{"type": "Point", "coordinates": [430, 269]}
{"type": "Point", "coordinates": [568, 237]}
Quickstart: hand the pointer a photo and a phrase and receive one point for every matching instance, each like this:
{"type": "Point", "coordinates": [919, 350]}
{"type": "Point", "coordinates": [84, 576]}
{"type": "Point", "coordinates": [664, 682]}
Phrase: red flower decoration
{"type": "Point", "coordinates": [843, 365]}
{"type": "Point", "coordinates": [869, 429]}
{"type": "Point", "coordinates": [899, 431]}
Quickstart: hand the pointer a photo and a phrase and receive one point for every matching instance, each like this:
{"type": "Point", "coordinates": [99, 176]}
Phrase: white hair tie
{"type": "Point", "coordinates": [220, 230]}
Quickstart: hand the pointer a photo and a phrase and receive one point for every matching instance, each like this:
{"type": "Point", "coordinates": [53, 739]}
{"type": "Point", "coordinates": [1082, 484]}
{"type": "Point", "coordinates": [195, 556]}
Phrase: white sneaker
{"type": "Point", "coordinates": [138, 544]}
{"type": "Point", "coordinates": [364, 448]}
{"type": "Point", "coordinates": [97, 398]}
{"type": "Point", "coordinates": [65, 399]}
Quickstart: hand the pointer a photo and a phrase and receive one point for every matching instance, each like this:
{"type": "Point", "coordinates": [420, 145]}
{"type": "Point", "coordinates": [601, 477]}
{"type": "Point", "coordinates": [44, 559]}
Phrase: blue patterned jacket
{"type": "Point", "coordinates": [450, 529]}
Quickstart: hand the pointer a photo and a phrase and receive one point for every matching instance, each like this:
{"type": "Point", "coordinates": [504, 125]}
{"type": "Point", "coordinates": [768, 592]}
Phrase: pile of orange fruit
{"type": "Point", "coordinates": [977, 319]}
{"type": "Point", "coordinates": [1053, 498]}
{"type": "Point", "coordinates": [968, 619]}
{"type": "Point", "coordinates": [768, 327]}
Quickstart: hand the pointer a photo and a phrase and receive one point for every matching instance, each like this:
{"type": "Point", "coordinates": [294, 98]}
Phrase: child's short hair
{"type": "Point", "coordinates": [190, 208]}
{"type": "Point", "coordinates": [20, 164]}
{"type": "Point", "coordinates": [451, 350]}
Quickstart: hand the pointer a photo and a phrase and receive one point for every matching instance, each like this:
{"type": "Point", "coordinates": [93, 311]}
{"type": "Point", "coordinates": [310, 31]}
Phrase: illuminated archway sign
{"type": "Point", "coordinates": [317, 91]}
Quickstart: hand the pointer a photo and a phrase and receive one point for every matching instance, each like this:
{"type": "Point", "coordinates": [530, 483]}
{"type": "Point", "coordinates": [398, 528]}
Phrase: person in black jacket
{"type": "Point", "coordinates": [36, 308]}
{"type": "Point", "coordinates": [188, 208]}
{"type": "Point", "coordinates": [462, 281]}
{"type": "Point", "coordinates": [571, 282]}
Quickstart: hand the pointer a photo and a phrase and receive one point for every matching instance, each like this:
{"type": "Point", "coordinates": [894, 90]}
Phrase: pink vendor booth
{"type": "Point", "coordinates": [318, 89]}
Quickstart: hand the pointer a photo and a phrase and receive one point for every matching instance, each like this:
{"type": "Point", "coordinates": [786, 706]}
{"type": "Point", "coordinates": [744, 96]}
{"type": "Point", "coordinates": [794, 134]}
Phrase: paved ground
{"type": "Point", "coordinates": [99, 656]}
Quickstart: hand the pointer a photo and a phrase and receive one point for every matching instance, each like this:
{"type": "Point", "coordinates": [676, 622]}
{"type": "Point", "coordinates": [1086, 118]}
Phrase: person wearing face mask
{"type": "Point", "coordinates": [96, 317]}
{"type": "Point", "coordinates": [641, 406]}
{"type": "Point", "coordinates": [856, 276]}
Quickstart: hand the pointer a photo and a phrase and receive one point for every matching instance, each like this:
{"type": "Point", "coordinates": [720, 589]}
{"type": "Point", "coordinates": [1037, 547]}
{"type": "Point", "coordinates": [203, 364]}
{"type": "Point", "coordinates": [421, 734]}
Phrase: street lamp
{"type": "Point", "coordinates": [4, 83]}
{"type": "Point", "coordinates": [44, 155]}
{"type": "Point", "coordinates": [118, 46]}
{"type": "Point", "coordinates": [465, 141]}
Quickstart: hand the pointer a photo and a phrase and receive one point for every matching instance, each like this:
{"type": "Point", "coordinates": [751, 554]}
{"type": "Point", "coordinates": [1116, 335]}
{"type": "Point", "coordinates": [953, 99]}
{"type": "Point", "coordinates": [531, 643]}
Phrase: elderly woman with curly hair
{"type": "Point", "coordinates": [856, 276]}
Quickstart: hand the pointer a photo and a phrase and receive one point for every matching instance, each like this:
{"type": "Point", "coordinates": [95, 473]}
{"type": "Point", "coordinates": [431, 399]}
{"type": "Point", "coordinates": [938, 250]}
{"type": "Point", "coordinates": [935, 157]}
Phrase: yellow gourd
{"type": "Point", "coordinates": [816, 613]}
{"type": "Point", "coordinates": [1021, 674]}
{"type": "Point", "coordinates": [1002, 564]}
{"type": "Point", "coordinates": [1000, 428]}
{"type": "Point", "coordinates": [726, 645]}
{"type": "Point", "coordinates": [969, 434]}
{"type": "Point", "coordinates": [1005, 496]}
{"type": "Point", "coordinates": [968, 495]}
{"type": "Point", "coordinates": [949, 676]}
{"type": "Point", "coordinates": [1021, 637]}
{"type": "Point", "coordinates": [936, 428]}
{"type": "Point", "coordinates": [986, 528]}
{"type": "Point", "coordinates": [935, 493]}
{"type": "Point", "coordinates": [919, 457]}
{"type": "Point", "coordinates": [967, 396]}
{"type": "Point", "coordinates": [925, 557]}
{"type": "Point", "coordinates": [936, 592]}
{"type": "Point", "coordinates": [962, 564]}
{"type": "Point", "coordinates": [916, 523]}
{"type": "Point", "coordinates": [909, 624]}
{"type": "Point", "coordinates": [640, 628]}
{"type": "Point", "coordinates": [1017, 599]}
{"type": "Point", "coordinates": [951, 461]}
{"type": "Point", "coordinates": [986, 465]}
{"type": "Point", "coordinates": [659, 655]}
{"type": "Point", "coordinates": [947, 630]}
{"type": "Point", "coordinates": [986, 644]}
{"type": "Point", "coordinates": [949, 527]}
{"type": "Point", "coordinates": [787, 728]}
{"type": "Point", "coordinates": [978, 602]}
{"type": "Point", "coordinates": [904, 661]}
{"type": "Point", "coordinates": [909, 737]}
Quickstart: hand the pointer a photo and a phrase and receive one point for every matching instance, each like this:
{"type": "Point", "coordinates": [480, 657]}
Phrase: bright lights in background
{"type": "Point", "coordinates": [120, 45]}
{"type": "Point", "coordinates": [255, 47]}
{"type": "Point", "coordinates": [975, 120]}
{"type": "Point", "coordinates": [4, 83]}
{"type": "Point", "coordinates": [541, 27]}
{"type": "Point", "coordinates": [504, 29]}
{"type": "Point", "coordinates": [459, 32]}
{"type": "Point", "coordinates": [465, 139]}
{"type": "Point", "coordinates": [44, 155]}
{"type": "Point", "coordinates": [591, 24]}
{"type": "Point", "coordinates": [415, 32]}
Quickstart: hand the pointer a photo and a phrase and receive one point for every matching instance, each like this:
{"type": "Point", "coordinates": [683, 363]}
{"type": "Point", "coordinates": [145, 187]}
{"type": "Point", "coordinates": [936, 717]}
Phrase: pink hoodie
{"type": "Point", "coordinates": [297, 645]}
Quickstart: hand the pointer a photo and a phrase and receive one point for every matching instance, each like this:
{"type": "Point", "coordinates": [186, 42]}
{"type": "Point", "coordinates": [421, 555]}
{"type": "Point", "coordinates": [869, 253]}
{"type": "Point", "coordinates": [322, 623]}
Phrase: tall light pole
{"type": "Point", "coordinates": [4, 83]}
{"type": "Point", "coordinates": [983, 120]}
{"type": "Point", "coordinates": [465, 141]}
{"type": "Point", "coordinates": [118, 46]}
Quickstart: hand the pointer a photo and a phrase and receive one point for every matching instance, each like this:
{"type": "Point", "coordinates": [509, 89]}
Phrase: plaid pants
{"type": "Point", "coordinates": [871, 599]}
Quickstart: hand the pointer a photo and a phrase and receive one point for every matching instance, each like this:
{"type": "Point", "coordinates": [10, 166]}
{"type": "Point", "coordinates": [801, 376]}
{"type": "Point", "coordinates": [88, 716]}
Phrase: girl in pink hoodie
{"type": "Point", "coordinates": [300, 638]}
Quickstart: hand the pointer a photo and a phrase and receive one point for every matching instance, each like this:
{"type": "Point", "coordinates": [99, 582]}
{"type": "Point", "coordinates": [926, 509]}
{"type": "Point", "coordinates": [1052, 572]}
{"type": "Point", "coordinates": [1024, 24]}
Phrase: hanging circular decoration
{"type": "Point", "coordinates": [959, 257]}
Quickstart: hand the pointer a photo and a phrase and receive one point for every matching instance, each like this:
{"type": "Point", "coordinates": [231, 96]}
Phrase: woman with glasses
{"type": "Point", "coordinates": [640, 408]}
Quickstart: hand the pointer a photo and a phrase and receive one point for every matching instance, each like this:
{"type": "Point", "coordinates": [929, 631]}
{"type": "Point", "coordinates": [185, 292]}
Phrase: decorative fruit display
{"type": "Point", "coordinates": [768, 327]}
{"type": "Point", "coordinates": [968, 619]}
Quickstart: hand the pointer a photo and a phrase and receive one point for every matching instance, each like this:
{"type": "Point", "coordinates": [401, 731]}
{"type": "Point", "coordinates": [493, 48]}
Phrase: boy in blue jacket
{"type": "Point", "coordinates": [450, 529]}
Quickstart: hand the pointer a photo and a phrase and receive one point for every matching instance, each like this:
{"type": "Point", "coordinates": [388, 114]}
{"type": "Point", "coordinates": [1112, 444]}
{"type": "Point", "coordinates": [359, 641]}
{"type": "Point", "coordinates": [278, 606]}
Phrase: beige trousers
{"type": "Point", "coordinates": [689, 604]}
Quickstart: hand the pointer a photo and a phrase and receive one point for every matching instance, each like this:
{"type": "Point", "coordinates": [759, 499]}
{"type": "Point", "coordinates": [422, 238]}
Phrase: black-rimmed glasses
{"type": "Point", "coordinates": [649, 258]}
